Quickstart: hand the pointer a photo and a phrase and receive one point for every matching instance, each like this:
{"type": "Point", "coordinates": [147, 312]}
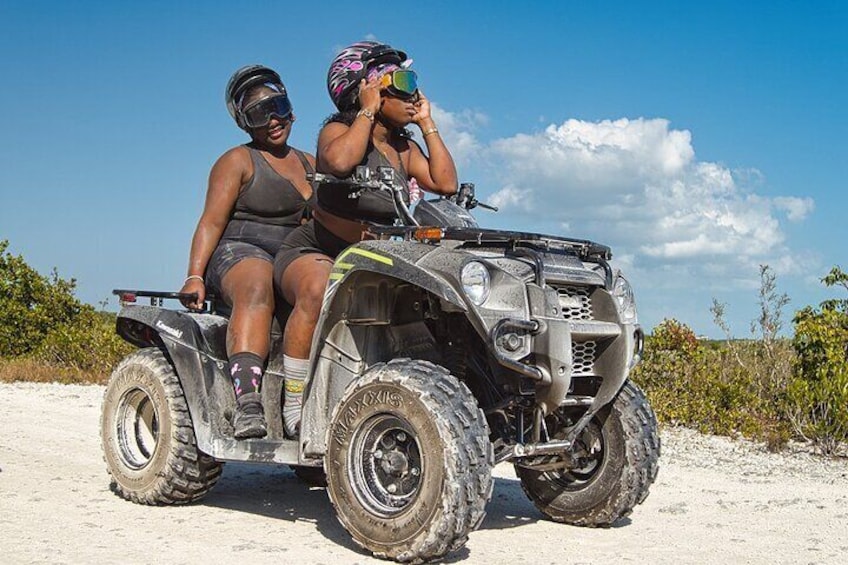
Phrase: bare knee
{"type": "Point", "coordinates": [254, 294]}
{"type": "Point", "coordinates": [248, 285]}
{"type": "Point", "coordinates": [304, 281]}
{"type": "Point", "coordinates": [310, 293]}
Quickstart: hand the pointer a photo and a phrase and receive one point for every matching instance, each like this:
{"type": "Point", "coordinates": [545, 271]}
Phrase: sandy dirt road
{"type": "Point", "coordinates": [715, 501]}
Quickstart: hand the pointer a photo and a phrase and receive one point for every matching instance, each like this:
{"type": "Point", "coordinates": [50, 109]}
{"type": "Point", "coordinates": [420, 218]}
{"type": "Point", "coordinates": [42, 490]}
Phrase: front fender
{"type": "Point", "coordinates": [397, 260]}
{"type": "Point", "coordinates": [352, 331]}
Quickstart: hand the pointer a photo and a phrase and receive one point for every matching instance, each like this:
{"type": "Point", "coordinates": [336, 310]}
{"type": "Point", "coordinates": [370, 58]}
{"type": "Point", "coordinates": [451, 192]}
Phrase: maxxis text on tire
{"type": "Point", "coordinates": [409, 461]}
{"type": "Point", "coordinates": [147, 435]}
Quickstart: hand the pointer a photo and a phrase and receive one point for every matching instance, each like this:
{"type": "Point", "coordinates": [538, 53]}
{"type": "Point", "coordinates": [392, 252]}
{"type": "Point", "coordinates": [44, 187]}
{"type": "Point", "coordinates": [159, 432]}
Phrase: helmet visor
{"type": "Point", "coordinates": [258, 114]}
{"type": "Point", "coordinates": [401, 83]}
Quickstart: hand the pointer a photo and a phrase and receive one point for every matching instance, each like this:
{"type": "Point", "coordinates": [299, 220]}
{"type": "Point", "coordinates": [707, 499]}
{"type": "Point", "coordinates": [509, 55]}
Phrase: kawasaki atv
{"type": "Point", "coordinates": [442, 350]}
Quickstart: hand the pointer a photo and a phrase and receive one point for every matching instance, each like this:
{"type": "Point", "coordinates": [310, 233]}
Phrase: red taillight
{"type": "Point", "coordinates": [127, 298]}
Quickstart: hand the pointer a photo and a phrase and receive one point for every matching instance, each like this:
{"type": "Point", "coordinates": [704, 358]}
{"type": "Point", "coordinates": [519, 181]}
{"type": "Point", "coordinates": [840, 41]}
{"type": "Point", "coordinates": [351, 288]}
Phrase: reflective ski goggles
{"type": "Point", "coordinates": [401, 83]}
{"type": "Point", "coordinates": [259, 113]}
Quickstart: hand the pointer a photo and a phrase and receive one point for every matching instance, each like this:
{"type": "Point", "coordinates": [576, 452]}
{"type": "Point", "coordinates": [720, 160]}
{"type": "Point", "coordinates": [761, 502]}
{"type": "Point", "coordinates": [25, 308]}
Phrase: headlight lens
{"type": "Point", "coordinates": [623, 293]}
{"type": "Point", "coordinates": [476, 282]}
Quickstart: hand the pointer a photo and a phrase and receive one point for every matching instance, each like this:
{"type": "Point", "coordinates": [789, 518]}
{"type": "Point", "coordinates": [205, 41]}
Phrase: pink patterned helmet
{"type": "Point", "coordinates": [352, 64]}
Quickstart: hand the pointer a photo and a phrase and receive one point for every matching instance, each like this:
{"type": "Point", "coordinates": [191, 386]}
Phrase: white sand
{"type": "Point", "coordinates": [715, 501]}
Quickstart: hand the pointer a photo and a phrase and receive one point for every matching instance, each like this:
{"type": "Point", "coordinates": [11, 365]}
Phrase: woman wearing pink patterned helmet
{"type": "Point", "coordinates": [377, 96]}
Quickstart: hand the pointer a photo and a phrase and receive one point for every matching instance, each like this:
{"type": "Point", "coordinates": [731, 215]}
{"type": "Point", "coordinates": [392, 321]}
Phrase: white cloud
{"type": "Point", "coordinates": [638, 186]}
{"type": "Point", "coordinates": [796, 209]}
{"type": "Point", "coordinates": [459, 131]}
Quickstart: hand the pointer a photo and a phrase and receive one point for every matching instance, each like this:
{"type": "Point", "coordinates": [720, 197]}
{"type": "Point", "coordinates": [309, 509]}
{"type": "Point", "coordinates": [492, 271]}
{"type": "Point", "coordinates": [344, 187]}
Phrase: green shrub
{"type": "Point", "coordinates": [709, 387]}
{"type": "Point", "coordinates": [89, 344]}
{"type": "Point", "coordinates": [818, 394]}
{"type": "Point", "coordinates": [45, 330]}
{"type": "Point", "coordinates": [31, 304]}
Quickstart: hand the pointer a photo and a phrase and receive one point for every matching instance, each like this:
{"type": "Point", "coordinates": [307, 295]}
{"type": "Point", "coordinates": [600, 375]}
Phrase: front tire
{"type": "Point", "coordinates": [409, 461]}
{"type": "Point", "coordinates": [619, 448]}
{"type": "Point", "coordinates": [147, 435]}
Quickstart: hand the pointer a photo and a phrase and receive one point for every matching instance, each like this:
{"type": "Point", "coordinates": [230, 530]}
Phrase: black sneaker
{"type": "Point", "coordinates": [249, 417]}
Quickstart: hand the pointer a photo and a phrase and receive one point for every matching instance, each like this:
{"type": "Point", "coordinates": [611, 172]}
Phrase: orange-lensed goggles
{"type": "Point", "coordinates": [401, 83]}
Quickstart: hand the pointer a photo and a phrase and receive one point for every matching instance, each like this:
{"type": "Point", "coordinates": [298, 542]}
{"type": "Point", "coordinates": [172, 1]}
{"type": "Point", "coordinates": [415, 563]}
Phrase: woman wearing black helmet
{"type": "Point", "coordinates": [257, 194]}
{"type": "Point", "coordinates": [377, 97]}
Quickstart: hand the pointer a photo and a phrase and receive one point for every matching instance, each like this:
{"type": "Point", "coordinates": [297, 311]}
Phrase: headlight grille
{"type": "Point", "coordinates": [575, 302]}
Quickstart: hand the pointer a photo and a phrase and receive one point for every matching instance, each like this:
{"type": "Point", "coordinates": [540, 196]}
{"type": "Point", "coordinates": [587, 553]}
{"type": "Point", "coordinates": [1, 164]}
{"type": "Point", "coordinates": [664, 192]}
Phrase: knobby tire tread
{"type": "Point", "coordinates": [469, 467]}
{"type": "Point", "coordinates": [642, 451]}
{"type": "Point", "coordinates": [188, 474]}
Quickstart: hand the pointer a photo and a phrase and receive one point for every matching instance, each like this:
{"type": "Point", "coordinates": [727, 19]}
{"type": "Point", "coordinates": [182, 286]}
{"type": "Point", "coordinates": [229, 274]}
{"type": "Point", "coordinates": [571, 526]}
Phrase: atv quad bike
{"type": "Point", "coordinates": [442, 349]}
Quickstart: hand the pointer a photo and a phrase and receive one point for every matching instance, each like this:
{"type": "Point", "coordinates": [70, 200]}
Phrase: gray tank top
{"type": "Point", "coordinates": [268, 207]}
{"type": "Point", "coordinates": [375, 206]}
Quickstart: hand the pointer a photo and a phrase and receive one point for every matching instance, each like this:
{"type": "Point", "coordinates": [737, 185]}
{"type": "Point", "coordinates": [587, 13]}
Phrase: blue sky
{"type": "Point", "coordinates": [698, 140]}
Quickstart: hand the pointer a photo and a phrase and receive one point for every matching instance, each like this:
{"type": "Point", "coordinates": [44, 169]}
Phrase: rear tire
{"type": "Point", "coordinates": [622, 446]}
{"type": "Point", "coordinates": [147, 435]}
{"type": "Point", "coordinates": [409, 461]}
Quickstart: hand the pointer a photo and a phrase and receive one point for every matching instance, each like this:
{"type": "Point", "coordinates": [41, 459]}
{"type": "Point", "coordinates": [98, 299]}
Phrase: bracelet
{"type": "Point", "coordinates": [198, 277]}
{"type": "Point", "coordinates": [427, 132]}
{"type": "Point", "coordinates": [367, 113]}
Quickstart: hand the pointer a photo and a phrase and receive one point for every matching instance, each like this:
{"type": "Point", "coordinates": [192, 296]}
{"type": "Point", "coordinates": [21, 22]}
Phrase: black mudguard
{"type": "Point", "coordinates": [196, 347]}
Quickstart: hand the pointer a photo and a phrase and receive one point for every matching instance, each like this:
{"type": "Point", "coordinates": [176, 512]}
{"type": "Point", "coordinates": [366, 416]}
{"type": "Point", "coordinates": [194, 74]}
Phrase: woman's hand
{"type": "Point", "coordinates": [369, 95]}
{"type": "Point", "coordinates": [422, 114]}
{"type": "Point", "coordinates": [194, 286]}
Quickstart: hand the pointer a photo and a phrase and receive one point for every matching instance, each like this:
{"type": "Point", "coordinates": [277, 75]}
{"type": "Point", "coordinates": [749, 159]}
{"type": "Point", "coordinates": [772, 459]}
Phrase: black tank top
{"type": "Point", "coordinates": [268, 207]}
{"type": "Point", "coordinates": [374, 206]}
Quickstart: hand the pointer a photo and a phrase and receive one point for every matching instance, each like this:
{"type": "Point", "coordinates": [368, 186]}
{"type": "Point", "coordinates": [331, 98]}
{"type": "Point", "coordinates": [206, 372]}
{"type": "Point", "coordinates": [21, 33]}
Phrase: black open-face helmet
{"type": "Point", "coordinates": [242, 81]}
{"type": "Point", "coordinates": [351, 65]}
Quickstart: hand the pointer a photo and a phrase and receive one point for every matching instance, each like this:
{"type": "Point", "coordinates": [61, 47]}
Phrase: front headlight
{"type": "Point", "coordinates": [623, 293]}
{"type": "Point", "coordinates": [476, 282]}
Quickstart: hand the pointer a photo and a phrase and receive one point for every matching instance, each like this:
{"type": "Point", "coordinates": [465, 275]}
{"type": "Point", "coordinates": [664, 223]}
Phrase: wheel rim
{"type": "Point", "coordinates": [385, 465]}
{"type": "Point", "coordinates": [590, 453]}
{"type": "Point", "coordinates": [137, 428]}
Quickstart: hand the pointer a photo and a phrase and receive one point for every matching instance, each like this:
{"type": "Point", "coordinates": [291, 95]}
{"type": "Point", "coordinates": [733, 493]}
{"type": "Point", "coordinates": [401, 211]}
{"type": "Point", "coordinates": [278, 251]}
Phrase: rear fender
{"type": "Point", "coordinates": [195, 346]}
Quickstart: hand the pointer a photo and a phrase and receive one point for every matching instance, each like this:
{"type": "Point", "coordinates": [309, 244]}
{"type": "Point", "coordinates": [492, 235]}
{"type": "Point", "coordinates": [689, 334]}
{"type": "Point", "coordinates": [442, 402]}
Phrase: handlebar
{"type": "Point", "coordinates": [364, 178]}
{"type": "Point", "coordinates": [386, 179]}
{"type": "Point", "coordinates": [157, 297]}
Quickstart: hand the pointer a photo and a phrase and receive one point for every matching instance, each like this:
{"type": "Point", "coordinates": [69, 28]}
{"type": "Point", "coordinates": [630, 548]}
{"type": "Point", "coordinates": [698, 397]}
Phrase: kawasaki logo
{"type": "Point", "coordinates": [169, 330]}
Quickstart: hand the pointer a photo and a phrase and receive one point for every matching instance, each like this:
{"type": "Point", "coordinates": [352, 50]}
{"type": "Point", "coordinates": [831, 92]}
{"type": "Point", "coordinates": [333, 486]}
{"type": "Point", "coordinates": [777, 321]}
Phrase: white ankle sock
{"type": "Point", "coordinates": [295, 371]}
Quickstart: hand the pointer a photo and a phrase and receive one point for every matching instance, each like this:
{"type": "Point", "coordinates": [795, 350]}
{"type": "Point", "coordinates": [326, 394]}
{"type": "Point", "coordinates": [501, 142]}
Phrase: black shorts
{"type": "Point", "coordinates": [225, 257]}
{"type": "Point", "coordinates": [311, 237]}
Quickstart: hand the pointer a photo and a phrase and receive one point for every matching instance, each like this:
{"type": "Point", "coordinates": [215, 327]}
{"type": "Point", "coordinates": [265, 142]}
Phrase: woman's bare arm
{"type": "Point", "coordinates": [228, 175]}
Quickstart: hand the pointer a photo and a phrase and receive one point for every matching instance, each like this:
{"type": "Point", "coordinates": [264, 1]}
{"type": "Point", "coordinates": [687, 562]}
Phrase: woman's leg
{"type": "Point", "coordinates": [302, 284]}
{"type": "Point", "coordinates": [248, 288]}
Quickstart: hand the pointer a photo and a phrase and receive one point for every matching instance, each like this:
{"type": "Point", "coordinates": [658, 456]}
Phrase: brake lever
{"type": "Point", "coordinates": [476, 202]}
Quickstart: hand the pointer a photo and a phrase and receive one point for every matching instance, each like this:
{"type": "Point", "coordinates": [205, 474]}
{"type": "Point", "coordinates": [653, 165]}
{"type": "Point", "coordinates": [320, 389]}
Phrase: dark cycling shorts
{"type": "Point", "coordinates": [311, 237]}
{"type": "Point", "coordinates": [225, 257]}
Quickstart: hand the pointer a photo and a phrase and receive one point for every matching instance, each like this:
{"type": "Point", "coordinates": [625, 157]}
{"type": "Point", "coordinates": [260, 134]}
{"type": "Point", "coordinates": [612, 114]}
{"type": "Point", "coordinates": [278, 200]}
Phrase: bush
{"type": "Point", "coordinates": [818, 394]}
{"type": "Point", "coordinates": [45, 330]}
{"type": "Point", "coordinates": [709, 387]}
{"type": "Point", "coordinates": [89, 344]}
{"type": "Point", "coordinates": [31, 305]}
